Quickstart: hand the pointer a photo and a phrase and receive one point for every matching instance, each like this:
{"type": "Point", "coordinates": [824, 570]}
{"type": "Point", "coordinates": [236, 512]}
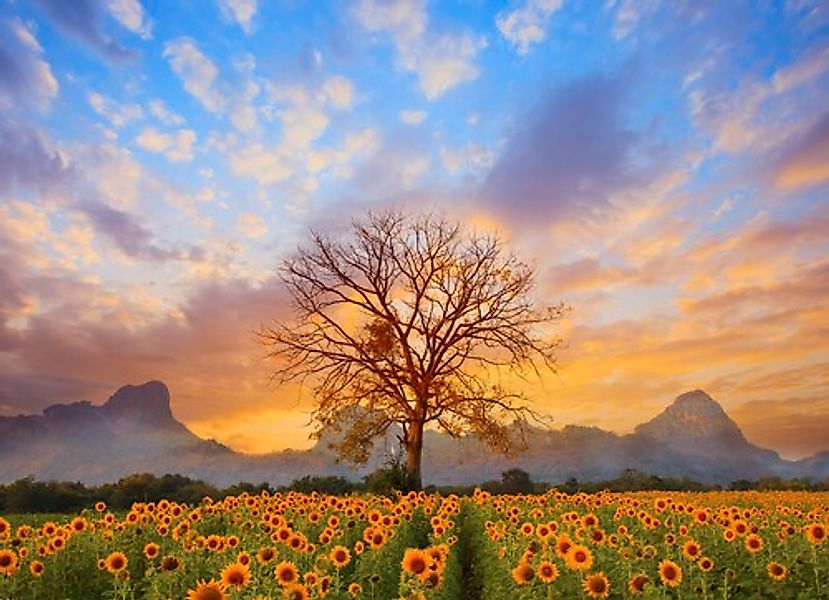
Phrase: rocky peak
{"type": "Point", "coordinates": [146, 404]}
{"type": "Point", "coordinates": [693, 417]}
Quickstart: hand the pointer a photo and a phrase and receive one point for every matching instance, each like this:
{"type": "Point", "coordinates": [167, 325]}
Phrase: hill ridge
{"type": "Point", "coordinates": [135, 430]}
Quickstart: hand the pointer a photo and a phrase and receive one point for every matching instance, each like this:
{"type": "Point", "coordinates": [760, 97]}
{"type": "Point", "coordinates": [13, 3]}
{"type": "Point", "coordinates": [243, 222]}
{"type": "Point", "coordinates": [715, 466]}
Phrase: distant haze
{"type": "Point", "coordinates": [135, 431]}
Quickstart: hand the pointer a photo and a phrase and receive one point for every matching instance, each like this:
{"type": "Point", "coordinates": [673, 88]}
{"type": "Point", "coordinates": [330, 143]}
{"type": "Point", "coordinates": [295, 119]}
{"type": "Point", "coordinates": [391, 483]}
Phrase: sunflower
{"type": "Point", "coordinates": [115, 562]}
{"type": "Point", "coordinates": [729, 535]}
{"type": "Point", "coordinates": [432, 579]}
{"type": "Point", "coordinates": [378, 538]}
{"type": "Point", "coordinates": [57, 543]}
{"type": "Point", "coordinates": [706, 564]}
{"type": "Point", "coordinates": [236, 575]}
{"type": "Point", "coordinates": [355, 589]}
{"type": "Point", "coordinates": [265, 555]}
{"type": "Point", "coordinates": [340, 556]}
{"type": "Point", "coordinates": [8, 562]}
{"type": "Point", "coordinates": [777, 571]}
{"type": "Point", "coordinates": [414, 561]}
{"type": "Point", "coordinates": [523, 573]}
{"type": "Point", "coordinates": [547, 572]}
{"type": "Point", "coordinates": [637, 583]}
{"type": "Point", "coordinates": [151, 550]}
{"type": "Point", "coordinates": [78, 524]}
{"type": "Point", "coordinates": [578, 558]}
{"type": "Point", "coordinates": [207, 590]}
{"type": "Point", "coordinates": [815, 533]}
{"type": "Point", "coordinates": [438, 555]}
{"type": "Point", "coordinates": [563, 544]}
{"type": "Point", "coordinates": [324, 586]}
{"type": "Point", "coordinates": [691, 550]}
{"type": "Point", "coordinates": [296, 591]}
{"type": "Point", "coordinates": [36, 568]}
{"type": "Point", "coordinates": [170, 563]}
{"type": "Point", "coordinates": [214, 542]}
{"type": "Point", "coordinates": [596, 585]}
{"type": "Point", "coordinates": [100, 506]}
{"type": "Point", "coordinates": [754, 543]}
{"type": "Point", "coordinates": [286, 573]}
{"type": "Point", "coordinates": [670, 573]}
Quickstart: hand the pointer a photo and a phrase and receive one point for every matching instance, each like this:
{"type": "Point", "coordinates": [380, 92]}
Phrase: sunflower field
{"type": "Point", "coordinates": [427, 546]}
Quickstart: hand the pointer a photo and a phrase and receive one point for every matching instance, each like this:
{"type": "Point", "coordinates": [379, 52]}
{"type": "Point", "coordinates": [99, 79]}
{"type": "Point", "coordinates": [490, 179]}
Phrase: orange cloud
{"type": "Point", "coordinates": [809, 164]}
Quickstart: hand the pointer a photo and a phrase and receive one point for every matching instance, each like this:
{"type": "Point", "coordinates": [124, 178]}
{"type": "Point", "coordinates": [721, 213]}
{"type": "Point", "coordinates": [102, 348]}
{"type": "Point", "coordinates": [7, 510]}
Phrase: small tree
{"type": "Point", "coordinates": [408, 320]}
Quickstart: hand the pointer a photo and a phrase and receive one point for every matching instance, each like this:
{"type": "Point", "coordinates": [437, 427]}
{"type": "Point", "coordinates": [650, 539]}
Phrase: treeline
{"type": "Point", "coordinates": [27, 495]}
{"type": "Point", "coordinates": [518, 481]}
{"type": "Point", "coordinates": [30, 496]}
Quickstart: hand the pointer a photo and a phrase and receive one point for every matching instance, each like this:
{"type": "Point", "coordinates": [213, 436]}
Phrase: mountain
{"type": "Point", "coordinates": [135, 431]}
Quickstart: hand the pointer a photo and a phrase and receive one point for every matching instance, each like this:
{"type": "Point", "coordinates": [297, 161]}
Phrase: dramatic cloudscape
{"type": "Point", "coordinates": [664, 165]}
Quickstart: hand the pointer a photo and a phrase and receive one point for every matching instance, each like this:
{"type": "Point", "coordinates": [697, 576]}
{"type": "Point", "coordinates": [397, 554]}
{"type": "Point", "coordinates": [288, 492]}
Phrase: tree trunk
{"type": "Point", "coordinates": [414, 453]}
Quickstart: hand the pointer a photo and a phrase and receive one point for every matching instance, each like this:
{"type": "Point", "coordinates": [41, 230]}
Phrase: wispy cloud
{"type": "Point", "coordinates": [82, 20]}
{"type": "Point", "coordinates": [526, 25]}
{"type": "Point", "coordinates": [440, 61]}
{"type": "Point", "coordinates": [25, 76]}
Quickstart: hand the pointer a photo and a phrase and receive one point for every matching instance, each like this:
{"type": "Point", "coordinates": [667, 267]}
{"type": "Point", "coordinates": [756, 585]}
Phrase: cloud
{"type": "Point", "coordinates": [251, 225]}
{"type": "Point", "coordinates": [355, 144]}
{"type": "Point", "coordinates": [812, 66]}
{"type": "Point", "coordinates": [567, 156]}
{"type": "Point", "coordinates": [26, 161]}
{"type": "Point", "coordinates": [799, 424]}
{"type": "Point", "coordinates": [30, 393]}
{"type": "Point", "coordinates": [241, 11]}
{"type": "Point", "coordinates": [303, 116]}
{"type": "Point", "coordinates": [130, 14]}
{"type": "Point", "coordinates": [393, 166]}
{"type": "Point", "coordinates": [92, 338]}
{"type": "Point", "coordinates": [413, 117]}
{"type": "Point", "coordinates": [472, 156]}
{"type": "Point", "coordinates": [196, 71]}
{"type": "Point", "coordinates": [525, 26]}
{"type": "Point", "coordinates": [25, 77]}
{"type": "Point", "coordinates": [117, 114]}
{"type": "Point", "coordinates": [200, 76]}
{"type": "Point", "coordinates": [807, 164]}
{"type": "Point", "coordinates": [339, 91]}
{"type": "Point", "coordinates": [406, 20]}
{"type": "Point", "coordinates": [164, 114]}
{"type": "Point", "coordinates": [81, 20]}
{"type": "Point", "coordinates": [264, 164]}
{"type": "Point", "coordinates": [440, 61]}
{"type": "Point", "coordinates": [629, 14]}
{"type": "Point", "coordinates": [131, 236]}
{"type": "Point", "coordinates": [177, 146]}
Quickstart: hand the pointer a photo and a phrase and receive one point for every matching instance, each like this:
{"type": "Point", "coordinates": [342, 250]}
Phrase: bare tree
{"type": "Point", "coordinates": [408, 320]}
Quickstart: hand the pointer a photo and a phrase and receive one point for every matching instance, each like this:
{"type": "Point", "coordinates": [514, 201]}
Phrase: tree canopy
{"type": "Point", "coordinates": [411, 320]}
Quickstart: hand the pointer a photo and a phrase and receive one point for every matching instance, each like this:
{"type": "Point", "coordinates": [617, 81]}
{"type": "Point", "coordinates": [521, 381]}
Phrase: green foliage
{"type": "Point", "coordinates": [30, 496]}
{"type": "Point", "coordinates": [323, 485]}
{"type": "Point", "coordinates": [387, 480]}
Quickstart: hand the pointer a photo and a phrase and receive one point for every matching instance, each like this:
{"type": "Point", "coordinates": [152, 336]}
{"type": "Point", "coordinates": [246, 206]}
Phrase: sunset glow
{"type": "Point", "coordinates": [664, 165]}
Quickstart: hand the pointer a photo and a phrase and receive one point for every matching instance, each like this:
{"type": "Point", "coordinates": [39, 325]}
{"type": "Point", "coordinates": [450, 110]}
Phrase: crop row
{"type": "Point", "coordinates": [427, 547]}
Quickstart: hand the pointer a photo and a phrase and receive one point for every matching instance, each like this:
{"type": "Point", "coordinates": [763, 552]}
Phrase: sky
{"type": "Point", "coordinates": [663, 165]}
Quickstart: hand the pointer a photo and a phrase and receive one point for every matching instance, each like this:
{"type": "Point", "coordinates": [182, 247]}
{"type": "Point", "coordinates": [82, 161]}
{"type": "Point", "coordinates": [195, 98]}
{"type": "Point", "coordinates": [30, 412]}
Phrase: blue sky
{"type": "Point", "coordinates": [665, 165]}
